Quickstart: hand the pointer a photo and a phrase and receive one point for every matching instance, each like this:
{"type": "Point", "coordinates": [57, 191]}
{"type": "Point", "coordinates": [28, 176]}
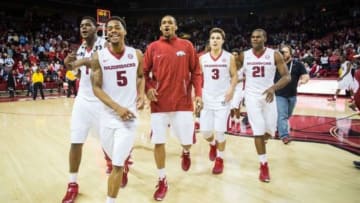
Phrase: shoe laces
{"type": "Point", "coordinates": [161, 183]}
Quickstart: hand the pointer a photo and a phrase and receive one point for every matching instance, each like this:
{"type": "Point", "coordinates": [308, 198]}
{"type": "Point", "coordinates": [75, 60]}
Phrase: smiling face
{"type": "Point", "coordinates": [87, 29]}
{"type": "Point", "coordinates": [115, 32]}
{"type": "Point", "coordinates": [168, 27]}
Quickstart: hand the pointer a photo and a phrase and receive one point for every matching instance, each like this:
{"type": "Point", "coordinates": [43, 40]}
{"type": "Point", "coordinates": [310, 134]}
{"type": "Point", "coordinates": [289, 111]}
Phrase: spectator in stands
{"type": "Point", "coordinates": [324, 60]}
{"type": "Point", "coordinates": [334, 61]}
{"type": "Point", "coordinates": [316, 70]}
{"type": "Point", "coordinates": [11, 83]}
{"type": "Point", "coordinates": [38, 81]}
{"type": "Point", "coordinates": [28, 82]}
{"type": "Point", "coordinates": [8, 62]}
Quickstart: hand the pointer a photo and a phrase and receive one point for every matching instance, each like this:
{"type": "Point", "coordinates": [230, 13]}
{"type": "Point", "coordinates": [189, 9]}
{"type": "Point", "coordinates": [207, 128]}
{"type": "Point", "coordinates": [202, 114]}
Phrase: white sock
{"type": "Point", "coordinates": [220, 153]}
{"type": "Point", "coordinates": [262, 158]}
{"type": "Point", "coordinates": [73, 177]}
{"type": "Point", "coordinates": [110, 200]}
{"type": "Point", "coordinates": [185, 151]}
{"type": "Point", "coordinates": [162, 173]}
{"type": "Point", "coordinates": [237, 120]}
{"type": "Point", "coordinates": [213, 142]}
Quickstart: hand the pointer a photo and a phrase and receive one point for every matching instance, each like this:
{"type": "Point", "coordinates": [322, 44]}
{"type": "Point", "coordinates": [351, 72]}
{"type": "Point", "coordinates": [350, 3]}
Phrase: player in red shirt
{"type": "Point", "coordinates": [171, 69]}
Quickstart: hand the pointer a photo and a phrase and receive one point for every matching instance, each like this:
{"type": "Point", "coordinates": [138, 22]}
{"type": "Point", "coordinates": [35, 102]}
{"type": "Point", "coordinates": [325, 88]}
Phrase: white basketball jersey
{"type": "Point", "coordinates": [216, 72]}
{"type": "Point", "coordinates": [85, 87]}
{"type": "Point", "coordinates": [344, 68]}
{"type": "Point", "coordinates": [259, 71]}
{"type": "Point", "coordinates": [119, 80]}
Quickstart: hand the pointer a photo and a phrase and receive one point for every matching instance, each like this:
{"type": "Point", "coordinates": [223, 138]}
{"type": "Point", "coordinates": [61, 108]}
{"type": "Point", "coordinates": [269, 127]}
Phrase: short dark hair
{"type": "Point", "coordinates": [260, 30]}
{"type": "Point", "coordinates": [235, 50]}
{"type": "Point", "coordinates": [218, 30]}
{"type": "Point", "coordinates": [89, 18]}
{"type": "Point", "coordinates": [170, 17]}
{"type": "Point", "coordinates": [122, 21]}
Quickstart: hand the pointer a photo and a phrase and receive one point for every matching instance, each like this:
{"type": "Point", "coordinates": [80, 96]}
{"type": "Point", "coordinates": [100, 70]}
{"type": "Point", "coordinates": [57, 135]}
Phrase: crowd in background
{"type": "Point", "coordinates": [319, 37]}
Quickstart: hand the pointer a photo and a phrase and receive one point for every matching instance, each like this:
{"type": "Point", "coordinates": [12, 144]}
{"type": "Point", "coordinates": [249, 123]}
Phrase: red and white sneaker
{"type": "Point", "coordinates": [185, 161]}
{"type": "Point", "coordinates": [218, 166]}
{"type": "Point", "coordinates": [71, 193]}
{"type": "Point", "coordinates": [161, 190]}
{"type": "Point", "coordinates": [264, 173]}
{"type": "Point", "coordinates": [212, 152]}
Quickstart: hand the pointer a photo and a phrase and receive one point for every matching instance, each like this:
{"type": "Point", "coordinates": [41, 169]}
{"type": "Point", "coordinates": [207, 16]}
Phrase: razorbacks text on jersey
{"type": "Point", "coordinates": [259, 71]}
{"type": "Point", "coordinates": [120, 73]}
{"type": "Point", "coordinates": [216, 73]}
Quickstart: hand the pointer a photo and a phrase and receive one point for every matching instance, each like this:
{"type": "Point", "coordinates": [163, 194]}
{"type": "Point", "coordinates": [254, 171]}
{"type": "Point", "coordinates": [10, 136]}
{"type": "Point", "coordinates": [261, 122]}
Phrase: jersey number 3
{"type": "Point", "coordinates": [121, 78]}
{"type": "Point", "coordinates": [215, 74]}
{"type": "Point", "coordinates": [258, 71]}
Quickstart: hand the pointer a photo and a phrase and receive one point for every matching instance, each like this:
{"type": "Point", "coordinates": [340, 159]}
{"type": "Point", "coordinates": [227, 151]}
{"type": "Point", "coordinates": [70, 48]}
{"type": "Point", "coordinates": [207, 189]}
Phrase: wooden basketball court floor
{"type": "Point", "coordinates": [34, 164]}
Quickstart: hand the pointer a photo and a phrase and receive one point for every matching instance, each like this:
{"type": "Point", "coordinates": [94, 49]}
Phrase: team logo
{"type": "Point", "coordinates": [180, 53]}
{"type": "Point", "coordinates": [130, 56]}
{"type": "Point", "coordinates": [223, 60]}
{"type": "Point", "coordinates": [267, 56]}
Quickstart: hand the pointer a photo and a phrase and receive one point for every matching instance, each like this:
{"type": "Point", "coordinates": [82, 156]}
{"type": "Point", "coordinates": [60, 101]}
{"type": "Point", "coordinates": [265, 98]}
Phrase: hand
{"type": "Point", "coordinates": [140, 102]}
{"type": "Point", "coordinates": [340, 79]}
{"type": "Point", "coordinates": [151, 94]}
{"type": "Point", "coordinates": [229, 95]}
{"type": "Point", "coordinates": [269, 94]}
{"type": "Point", "coordinates": [198, 105]}
{"type": "Point", "coordinates": [125, 114]}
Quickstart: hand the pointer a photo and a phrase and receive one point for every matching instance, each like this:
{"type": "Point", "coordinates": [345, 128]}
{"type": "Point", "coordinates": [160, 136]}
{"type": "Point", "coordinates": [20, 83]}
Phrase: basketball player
{"type": "Point", "coordinates": [86, 105]}
{"type": "Point", "coordinates": [117, 79]}
{"type": "Point", "coordinates": [260, 64]}
{"type": "Point", "coordinates": [171, 68]}
{"type": "Point", "coordinates": [220, 78]}
{"type": "Point", "coordinates": [345, 80]}
{"type": "Point", "coordinates": [238, 97]}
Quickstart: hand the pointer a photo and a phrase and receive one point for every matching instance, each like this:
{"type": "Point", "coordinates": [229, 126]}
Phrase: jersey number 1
{"type": "Point", "coordinates": [121, 78]}
{"type": "Point", "coordinates": [258, 71]}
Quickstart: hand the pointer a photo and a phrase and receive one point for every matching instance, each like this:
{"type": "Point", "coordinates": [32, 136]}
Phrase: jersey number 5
{"type": "Point", "coordinates": [258, 71]}
{"type": "Point", "coordinates": [121, 78]}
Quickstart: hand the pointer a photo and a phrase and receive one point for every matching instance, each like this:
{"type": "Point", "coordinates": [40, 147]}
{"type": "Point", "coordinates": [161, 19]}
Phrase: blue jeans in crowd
{"type": "Point", "coordinates": [285, 108]}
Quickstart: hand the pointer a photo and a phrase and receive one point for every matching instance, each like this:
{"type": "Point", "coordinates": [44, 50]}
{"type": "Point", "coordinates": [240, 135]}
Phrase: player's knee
{"type": "Point", "coordinates": [206, 134]}
{"type": "Point", "coordinates": [220, 137]}
{"type": "Point", "coordinates": [117, 169]}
